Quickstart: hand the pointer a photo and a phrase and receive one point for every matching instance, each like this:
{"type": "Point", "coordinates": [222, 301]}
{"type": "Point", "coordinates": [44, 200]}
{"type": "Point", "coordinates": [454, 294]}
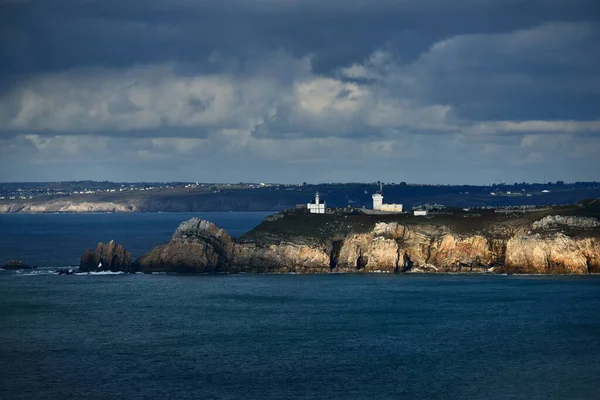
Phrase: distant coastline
{"type": "Point", "coordinates": [105, 197]}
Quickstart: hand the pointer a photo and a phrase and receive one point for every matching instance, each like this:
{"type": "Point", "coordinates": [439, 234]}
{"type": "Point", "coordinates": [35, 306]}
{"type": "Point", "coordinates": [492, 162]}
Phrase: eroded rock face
{"type": "Point", "coordinates": [557, 221]}
{"type": "Point", "coordinates": [200, 246]}
{"type": "Point", "coordinates": [368, 253]}
{"type": "Point", "coordinates": [282, 258]}
{"type": "Point", "coordinates": [196, 229]}
{"type": "Point", "coordinates": [452, 253]}
{"type": "Point", "coordinates": [184, 257]}
{"type": "Point", "coordinates": [106, 257]}
{"type": "Point", "coordinates": [196, 246]}
{"type": "Point", "coordinates": [392, 230]}
{"type": "Point", "coordinates": [556, 254]}
{"type": "Point", "coordinates": [395, 248]}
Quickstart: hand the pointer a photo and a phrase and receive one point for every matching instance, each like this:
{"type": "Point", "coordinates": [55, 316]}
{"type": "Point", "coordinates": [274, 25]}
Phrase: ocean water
{"type": "Point", "coordinates": [58, 240]}
{"type": "Point", "coordinates": [285, 336]}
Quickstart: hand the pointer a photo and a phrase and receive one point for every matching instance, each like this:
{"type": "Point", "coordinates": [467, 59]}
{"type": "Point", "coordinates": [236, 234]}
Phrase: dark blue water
{"type": "Point", "coordinates": [294, 336]}
{"type": "Point", "coordinates": [58, 240]}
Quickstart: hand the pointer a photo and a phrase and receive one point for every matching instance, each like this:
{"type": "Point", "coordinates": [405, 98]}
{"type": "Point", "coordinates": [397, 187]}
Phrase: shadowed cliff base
{"type": "Point", "coordinates": [550, 240]}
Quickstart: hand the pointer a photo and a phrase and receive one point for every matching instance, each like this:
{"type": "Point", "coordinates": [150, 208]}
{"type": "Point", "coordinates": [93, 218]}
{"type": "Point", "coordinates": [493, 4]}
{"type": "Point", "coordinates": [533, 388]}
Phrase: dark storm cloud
{"type": "Point", "coordinates": [332, 86]}
{"type": "Point", "coordinates": [54, 35]}
{"type": "Point", "coordinates": [43, 36]}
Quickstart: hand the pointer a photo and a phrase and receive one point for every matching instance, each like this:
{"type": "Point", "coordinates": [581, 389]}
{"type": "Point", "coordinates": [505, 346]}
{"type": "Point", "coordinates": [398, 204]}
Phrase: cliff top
{"type": "Point", "coordinates": [301, 226]}
{"type": "Point", "coordinates": [197, 228]}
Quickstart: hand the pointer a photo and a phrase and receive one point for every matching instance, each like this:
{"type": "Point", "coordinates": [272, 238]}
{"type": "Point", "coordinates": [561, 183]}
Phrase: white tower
{"type": "Point", "coordinates": [378, 199]}
{"type": "Point", "coordinates": [317, 198]}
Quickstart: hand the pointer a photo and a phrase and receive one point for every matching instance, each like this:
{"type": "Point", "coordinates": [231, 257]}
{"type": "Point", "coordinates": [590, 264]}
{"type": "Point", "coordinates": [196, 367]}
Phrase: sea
{"type": "Point", "coordinates": [242, 336]}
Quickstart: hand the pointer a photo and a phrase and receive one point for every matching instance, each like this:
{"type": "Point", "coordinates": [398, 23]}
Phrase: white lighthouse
{"type": "Point", "coordinates": [377, 199]}
{"type": "Point", "coordinates": [378, 202]}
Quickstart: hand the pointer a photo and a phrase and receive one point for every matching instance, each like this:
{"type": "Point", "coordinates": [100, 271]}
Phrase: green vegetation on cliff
{"type": "Point", "coordinates": [295, 224]}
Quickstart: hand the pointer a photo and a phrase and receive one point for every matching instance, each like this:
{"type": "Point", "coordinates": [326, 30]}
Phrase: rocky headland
{"type": "Point", "coordinates": [555, 240]}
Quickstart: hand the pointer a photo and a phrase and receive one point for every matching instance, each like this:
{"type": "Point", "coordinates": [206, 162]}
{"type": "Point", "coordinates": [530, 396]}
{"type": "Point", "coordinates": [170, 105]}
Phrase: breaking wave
{"type": "Point", "coordinates": [100, 273]}
{"type": "Point", "coordinates": [34, 272]}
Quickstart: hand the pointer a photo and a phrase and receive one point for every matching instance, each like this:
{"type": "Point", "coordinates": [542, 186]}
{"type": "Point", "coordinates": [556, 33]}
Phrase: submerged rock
{"type": "Point", "coordinates": [65, 271]}
{"type": "Point", "coordinates": [106, 257]}
{"type": "Point", "coordinates": [16, 265]}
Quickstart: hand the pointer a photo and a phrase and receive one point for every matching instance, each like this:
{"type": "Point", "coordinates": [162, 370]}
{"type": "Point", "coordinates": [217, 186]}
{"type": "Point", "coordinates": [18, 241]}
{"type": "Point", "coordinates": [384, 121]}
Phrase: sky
{"type": "Point", "coordinates": [291, 91]}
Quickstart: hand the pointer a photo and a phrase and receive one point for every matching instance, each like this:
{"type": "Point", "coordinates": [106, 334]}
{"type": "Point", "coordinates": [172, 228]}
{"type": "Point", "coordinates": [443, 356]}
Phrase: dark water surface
{"type": "Point", "coordinates": [58, 240]}
{"type": "Point", "coordinates": [284, 336]}
{"type": "Point", "coordinates": [297, 336]}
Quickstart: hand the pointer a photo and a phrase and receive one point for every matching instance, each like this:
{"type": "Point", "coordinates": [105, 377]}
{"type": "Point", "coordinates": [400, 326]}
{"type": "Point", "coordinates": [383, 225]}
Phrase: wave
{"type": "Point", "coordinates": [100, 273]}
{"type": "Point", "coordinates": [60, 271]}
{"type": "Point", "coordinates": [34, 272]}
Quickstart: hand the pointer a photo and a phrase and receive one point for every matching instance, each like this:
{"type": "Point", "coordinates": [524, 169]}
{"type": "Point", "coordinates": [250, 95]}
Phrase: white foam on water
{"type": "Point", "coordinates": [100, 273]}
{"type": "Point", "coordinates": [34, 272]}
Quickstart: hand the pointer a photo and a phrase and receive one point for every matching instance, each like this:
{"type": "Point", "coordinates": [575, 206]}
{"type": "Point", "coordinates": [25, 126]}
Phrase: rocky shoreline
{"type": "Point", "coordinates": [559, 240]}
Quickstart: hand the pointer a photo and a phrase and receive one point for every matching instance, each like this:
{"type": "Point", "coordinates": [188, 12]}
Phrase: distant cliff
{"type": "Point", "coordinates": [282, 197]}
{"type": "Point", "coordinates": [559, 240]}
{"type": "Point", "coordinates": [149, 203]}
{"type": "Point", "coordinates": [64, 206]}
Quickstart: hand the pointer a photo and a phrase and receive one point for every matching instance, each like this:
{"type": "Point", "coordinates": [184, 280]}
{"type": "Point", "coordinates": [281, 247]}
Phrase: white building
{"type": "Point", "coordinates": [378, 204]}
{"type": "Point", "coordinates": [420, 212]}
{"type": "Point", "coordinates": [397, 208]}
{"type": "Point", "coordinates": [316, 207]}
{"type": "Point", "coordinates": [377, 201]}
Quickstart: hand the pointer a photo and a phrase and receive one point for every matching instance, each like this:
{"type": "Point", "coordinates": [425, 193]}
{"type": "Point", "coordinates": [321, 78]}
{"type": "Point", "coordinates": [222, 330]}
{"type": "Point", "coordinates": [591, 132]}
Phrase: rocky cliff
{"type": "Point", "coordinates": [196, 246]}
{"type": "Point", "coordinates": [106, 257]}
{"type": "Point", "coordinates": [65, 206]}
{"type": "Point", "coordinates": [541, 242]}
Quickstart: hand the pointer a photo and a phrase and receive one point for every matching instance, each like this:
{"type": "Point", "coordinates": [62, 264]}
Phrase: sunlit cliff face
{"type": "Point", "coordinates": [421, 91]}
{"type": "Point", "coordinates": [304, 243]}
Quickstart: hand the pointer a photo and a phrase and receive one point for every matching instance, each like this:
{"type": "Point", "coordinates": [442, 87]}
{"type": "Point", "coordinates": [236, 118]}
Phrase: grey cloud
{"type": "Point", "coordinates": [545, 72]}
{"type": "Point", "coordinates": [49, 36]}
{"type": "Point", "coordinates": [414, 158]}
{"type": "Point", "coordinates": [342, 90]}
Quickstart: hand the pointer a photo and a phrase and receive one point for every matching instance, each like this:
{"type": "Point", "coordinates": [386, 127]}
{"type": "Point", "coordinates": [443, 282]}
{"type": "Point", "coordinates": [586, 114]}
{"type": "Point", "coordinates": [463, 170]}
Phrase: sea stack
{"type": "Point", "coordinates": [106, 257]}
{"type": "Point", "coordinates": [197, 246]}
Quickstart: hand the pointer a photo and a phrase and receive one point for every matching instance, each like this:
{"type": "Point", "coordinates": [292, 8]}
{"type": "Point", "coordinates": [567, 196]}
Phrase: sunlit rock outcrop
{"type": "Point", "coordinates": [554, 254]}
{"type": "Point", "coordinates": [282, 257]}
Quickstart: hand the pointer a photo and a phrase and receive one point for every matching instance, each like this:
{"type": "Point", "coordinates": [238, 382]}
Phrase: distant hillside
{"type": "Point", "coordinates": [280, 197]}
